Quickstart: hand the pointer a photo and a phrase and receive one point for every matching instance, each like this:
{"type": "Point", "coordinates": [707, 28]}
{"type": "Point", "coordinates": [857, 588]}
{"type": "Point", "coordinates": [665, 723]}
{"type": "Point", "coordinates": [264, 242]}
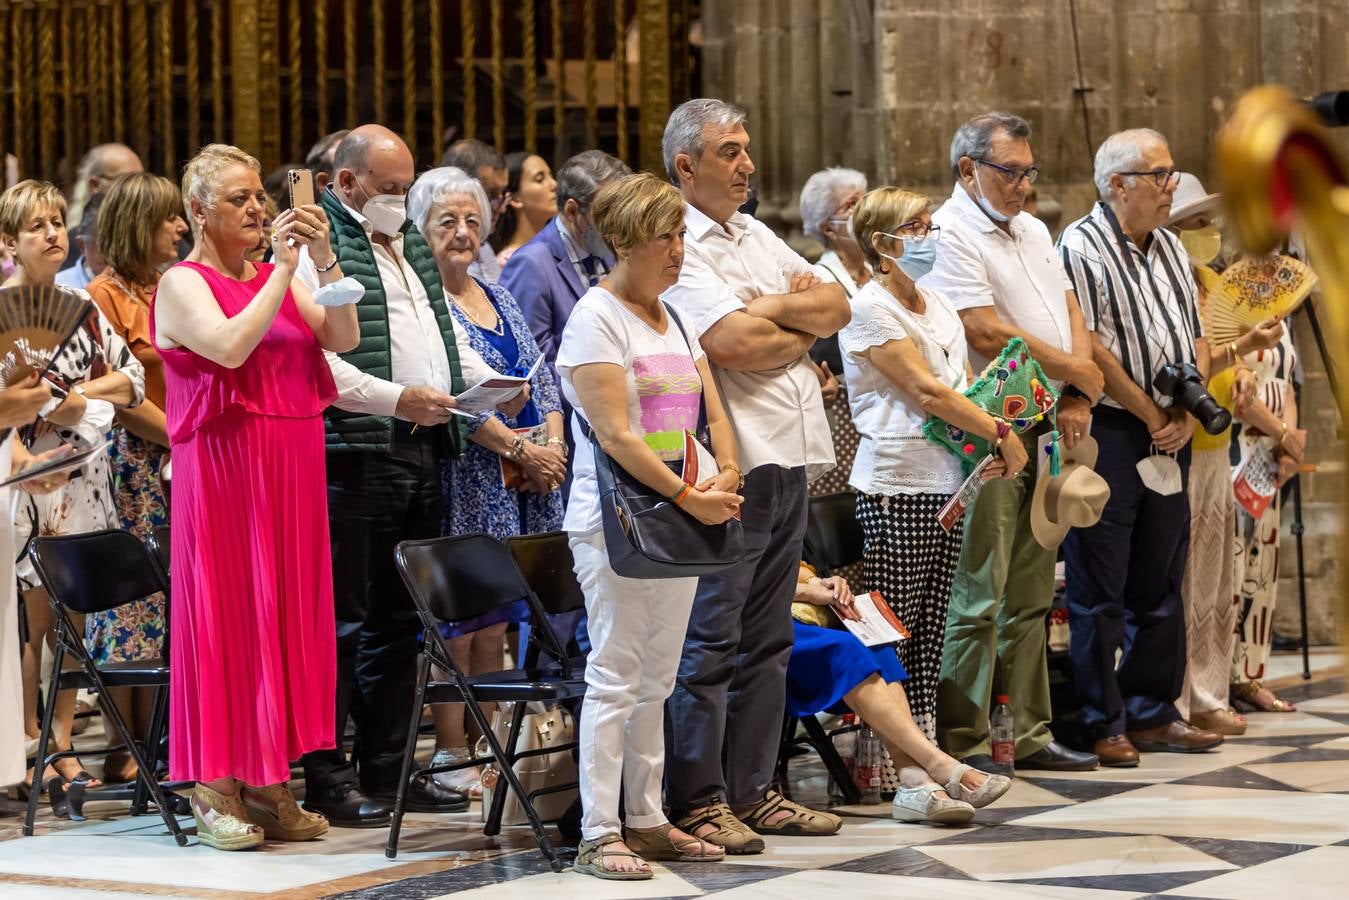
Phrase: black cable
{"type": "Point", "coordinates": [1081, 90]}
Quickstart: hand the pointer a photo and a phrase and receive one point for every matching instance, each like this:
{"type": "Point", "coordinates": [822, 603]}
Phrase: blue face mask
{"type": "Point", "coordinates": [983, 200]}
{"type": "Point", "coordinates": [920, 254]}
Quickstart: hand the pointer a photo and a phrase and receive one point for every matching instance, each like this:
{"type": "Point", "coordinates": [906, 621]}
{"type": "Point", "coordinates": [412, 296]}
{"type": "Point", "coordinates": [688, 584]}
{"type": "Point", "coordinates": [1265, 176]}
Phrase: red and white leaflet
{"type": "Point", "coordinates": [879, 624]}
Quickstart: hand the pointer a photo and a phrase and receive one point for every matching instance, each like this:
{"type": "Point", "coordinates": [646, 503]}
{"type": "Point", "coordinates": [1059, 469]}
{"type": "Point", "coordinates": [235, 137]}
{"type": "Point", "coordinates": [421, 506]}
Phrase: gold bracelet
{"type": "Point", "coordinates": [1283, 433]}
{"type": "Point", "coordinates": [738, 473]}
{"type": "Point", "coordinates": [555, 442]}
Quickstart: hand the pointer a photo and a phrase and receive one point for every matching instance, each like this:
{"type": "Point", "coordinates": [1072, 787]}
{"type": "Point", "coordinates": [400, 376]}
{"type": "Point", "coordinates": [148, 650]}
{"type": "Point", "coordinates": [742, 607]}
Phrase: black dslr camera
{"type": "Point", "coordinates": [1185, 386]}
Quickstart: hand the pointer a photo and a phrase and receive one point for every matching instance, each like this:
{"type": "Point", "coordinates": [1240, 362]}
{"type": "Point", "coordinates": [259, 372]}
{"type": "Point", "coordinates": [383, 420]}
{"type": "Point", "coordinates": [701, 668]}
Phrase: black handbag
{"type": "Point", "coordinates": [648, 535]}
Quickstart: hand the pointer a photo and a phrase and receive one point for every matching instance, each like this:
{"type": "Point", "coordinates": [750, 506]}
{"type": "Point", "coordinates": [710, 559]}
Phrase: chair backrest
{"type": "Point", "coordinates": [95, 572]}
{"type": "Point", "coordinates": [546, 561]}
{"type": "Point", "coordinates": [461, 576]}
{"type": "Point", "coordinates": [158, 541]}
{"type": "Point", "coordinates": [834, 537]}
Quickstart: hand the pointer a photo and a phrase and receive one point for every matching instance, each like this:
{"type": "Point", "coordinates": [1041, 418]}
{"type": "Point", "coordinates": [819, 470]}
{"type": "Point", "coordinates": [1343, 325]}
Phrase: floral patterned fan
{"type": "Point", "coordinates": [1250, 291]}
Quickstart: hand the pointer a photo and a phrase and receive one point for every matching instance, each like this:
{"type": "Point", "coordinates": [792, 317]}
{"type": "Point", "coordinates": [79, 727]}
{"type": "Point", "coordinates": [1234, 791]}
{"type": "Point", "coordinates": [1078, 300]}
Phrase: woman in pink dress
{"type": "Point", "coordinates": [252, 637]}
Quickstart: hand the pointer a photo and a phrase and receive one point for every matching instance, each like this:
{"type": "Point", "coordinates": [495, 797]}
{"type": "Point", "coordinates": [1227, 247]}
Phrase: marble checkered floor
{"type": "Point", "coordinates": [1266, 813]}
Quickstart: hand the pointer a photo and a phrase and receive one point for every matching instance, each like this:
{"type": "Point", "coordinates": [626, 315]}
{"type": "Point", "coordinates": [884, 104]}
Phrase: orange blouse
{"type": "Point", "coordinates": [127, 309]}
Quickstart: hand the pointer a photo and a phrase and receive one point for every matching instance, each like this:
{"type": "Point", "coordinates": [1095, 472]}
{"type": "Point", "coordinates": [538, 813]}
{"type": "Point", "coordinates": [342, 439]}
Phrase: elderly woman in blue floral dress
{"type": "Point", "coordinates": [508, 480]}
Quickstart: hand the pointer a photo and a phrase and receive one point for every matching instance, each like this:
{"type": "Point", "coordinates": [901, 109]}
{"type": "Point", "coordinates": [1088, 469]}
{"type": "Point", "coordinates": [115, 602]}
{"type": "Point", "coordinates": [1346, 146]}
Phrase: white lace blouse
{"type": "Point", "coordinates": [893, 456]}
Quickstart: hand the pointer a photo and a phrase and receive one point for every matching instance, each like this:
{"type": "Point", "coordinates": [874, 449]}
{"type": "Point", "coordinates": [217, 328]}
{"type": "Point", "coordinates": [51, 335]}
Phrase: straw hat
{"type": "Point", "coordinates": [1191, 198]}
{"type": "Point", "coordinates": [1074, 498]}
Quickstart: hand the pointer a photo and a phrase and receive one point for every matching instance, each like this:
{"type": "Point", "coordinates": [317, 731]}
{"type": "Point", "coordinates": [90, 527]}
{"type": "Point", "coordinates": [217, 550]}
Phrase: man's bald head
{"type": "Point", "coordinates": [100, 167]}
{"type": "Point", "coordinates": [370, 161]}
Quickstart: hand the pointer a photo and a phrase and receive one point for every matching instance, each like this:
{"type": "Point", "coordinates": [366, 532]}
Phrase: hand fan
{"type": "Point", "coordinates": [1250, 291]}
{"type": "Point", "coordinates": [35, 324]}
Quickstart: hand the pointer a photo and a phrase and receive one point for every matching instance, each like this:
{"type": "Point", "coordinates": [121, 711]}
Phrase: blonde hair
{"type": "Point", "coordinates": [632, 210]}
{"type": "Point", "coordinates": [201, 177]}
{"type": "Point", "coordinates": [133, 210]}
{"type": "Point", "coordinates": [883, 210]}
{"type": "Point", "coordinates": [19, 201]}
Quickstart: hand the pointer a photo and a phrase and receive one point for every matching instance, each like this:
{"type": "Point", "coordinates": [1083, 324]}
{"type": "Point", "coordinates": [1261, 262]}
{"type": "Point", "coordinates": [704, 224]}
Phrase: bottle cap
{"type": "Point", "coordinates": [1002, 698]}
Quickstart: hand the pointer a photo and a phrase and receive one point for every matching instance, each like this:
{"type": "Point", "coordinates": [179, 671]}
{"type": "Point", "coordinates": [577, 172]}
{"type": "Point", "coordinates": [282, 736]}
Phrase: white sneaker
{"type": "Point", "coordinates": [929, 803]}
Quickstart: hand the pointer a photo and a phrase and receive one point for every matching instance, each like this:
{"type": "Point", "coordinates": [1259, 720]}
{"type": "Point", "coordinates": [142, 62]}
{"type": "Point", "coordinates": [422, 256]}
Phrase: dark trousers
{"type": "Point", "coordinates": [376, 500]}
{"type": "Point", "coordinates": [1123, 588]}
{"type": "Point", "coordinates": [724, 718]}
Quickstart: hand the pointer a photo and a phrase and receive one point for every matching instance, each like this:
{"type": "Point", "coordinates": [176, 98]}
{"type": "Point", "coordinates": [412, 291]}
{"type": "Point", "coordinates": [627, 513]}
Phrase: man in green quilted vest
{"type": "Point", "coordinates": [389, 434]}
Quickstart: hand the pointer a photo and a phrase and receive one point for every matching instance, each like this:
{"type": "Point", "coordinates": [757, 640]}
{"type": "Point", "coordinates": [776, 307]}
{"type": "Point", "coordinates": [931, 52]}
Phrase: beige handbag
{"type": "Point", "coordinates": [543, 726]}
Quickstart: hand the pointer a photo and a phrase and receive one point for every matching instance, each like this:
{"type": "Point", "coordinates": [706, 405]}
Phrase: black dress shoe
{"type": "Point", "coordinates": [346, 806]}
{"type": "Point", "coordinates": [1055, 757]}
{"type": "Point", "coordinates": [983, 762]}
{"type": "Point", "coordinates": [425, 795]}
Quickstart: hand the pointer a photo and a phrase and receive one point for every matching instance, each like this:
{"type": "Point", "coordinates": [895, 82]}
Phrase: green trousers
{"type": "Point", "coordinates": [995, 626]}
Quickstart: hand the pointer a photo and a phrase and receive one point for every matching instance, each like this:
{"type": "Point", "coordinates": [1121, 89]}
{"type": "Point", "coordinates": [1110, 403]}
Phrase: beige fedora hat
{"type": "Point", "coordinates": [1191, 198]}
{"type": "Point", "coordinates": [1074, 498]}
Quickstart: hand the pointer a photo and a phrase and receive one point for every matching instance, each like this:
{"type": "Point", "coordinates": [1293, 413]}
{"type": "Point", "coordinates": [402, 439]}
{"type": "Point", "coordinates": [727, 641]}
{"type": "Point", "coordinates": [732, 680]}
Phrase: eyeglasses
{"type": "Point", "coordinates": [1159, 176]}
{"type": "Point", "coordinates": [1012, 175]}
{"type": "Point", "coordinates": [919, 230]}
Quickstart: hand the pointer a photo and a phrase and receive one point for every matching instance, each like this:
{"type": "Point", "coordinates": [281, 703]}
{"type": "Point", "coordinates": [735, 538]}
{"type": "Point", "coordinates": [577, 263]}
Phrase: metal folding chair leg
{"type": "Point", "coordinates": [153, 737]}
{"type": "Point", "coordinates": [40, 761]}
{"type": "Point", "coordinates": [493, 824]}
{"type": "Point", "coordinates": [409, 753]}
{"type": "Point", "coordinates": [819, 739]}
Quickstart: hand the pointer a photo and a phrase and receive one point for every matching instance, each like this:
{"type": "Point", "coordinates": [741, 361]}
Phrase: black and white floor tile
{"type": "Point", "coordinates": [1264, 815]}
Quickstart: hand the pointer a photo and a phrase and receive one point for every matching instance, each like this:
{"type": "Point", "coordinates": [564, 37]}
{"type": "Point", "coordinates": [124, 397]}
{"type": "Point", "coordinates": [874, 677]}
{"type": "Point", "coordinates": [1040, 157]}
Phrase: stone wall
{"type": "Point", "coordinates": [881, 86]}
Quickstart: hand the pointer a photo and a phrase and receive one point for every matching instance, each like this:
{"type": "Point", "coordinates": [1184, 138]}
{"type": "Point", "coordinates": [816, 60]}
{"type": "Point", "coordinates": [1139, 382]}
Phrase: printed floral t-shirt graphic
{"type": "Point", "coordinates": [668, 389]}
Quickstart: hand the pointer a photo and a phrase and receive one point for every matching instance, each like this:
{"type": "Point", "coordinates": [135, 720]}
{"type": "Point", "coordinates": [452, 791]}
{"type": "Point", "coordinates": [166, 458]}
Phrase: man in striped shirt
{"type": "Point", "coordinates": [1141, 306]}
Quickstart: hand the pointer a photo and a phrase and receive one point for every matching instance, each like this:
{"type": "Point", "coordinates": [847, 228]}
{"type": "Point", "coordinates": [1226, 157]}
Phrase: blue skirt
{"type": "Point", "coordinates": [826, 663]}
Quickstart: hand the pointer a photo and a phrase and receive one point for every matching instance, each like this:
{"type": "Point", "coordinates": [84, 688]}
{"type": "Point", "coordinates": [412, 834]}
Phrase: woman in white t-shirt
{"type": "Point", "coordinates": [633, 373]}
{"type": "Point", "coordinates": [904, 358]}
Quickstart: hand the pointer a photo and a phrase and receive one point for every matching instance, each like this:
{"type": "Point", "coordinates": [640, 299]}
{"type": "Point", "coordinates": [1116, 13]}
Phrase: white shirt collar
{"type": "Point", "coordinates": [969, 210]}
{"type": "Point", "coordinates": [569, 242]}
{"type": "Point", "coordinates": [700, 225]}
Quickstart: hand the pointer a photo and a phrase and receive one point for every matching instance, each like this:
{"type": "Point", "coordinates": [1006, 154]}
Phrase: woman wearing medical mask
{"type": "Point", "coordinates": [904, 358]}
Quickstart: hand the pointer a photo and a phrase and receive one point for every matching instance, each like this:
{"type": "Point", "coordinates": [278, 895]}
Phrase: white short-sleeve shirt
{"type": "Point", "coordinates": [893, 456]}
{"type": "Point", "coordinates": [778, 415]}
{"type": "Point", "coordinates": [1020, 275]}
{"type": "Point", "coordinates": [664, 390]}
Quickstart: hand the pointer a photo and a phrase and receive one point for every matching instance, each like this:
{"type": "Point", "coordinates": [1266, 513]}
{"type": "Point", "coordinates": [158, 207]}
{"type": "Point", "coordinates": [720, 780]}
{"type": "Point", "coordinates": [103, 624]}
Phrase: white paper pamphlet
{"type": "Point", "coordinates": [878, 625]}
{"type": "Point", "coordinates": [491, 392]}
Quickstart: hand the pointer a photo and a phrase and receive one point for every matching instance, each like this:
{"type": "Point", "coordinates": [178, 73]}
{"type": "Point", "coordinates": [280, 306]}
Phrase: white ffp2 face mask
{"type": "Point", "coordinates": [386, 213]}
{"type": "Point", "coordinates": [1160, 474]}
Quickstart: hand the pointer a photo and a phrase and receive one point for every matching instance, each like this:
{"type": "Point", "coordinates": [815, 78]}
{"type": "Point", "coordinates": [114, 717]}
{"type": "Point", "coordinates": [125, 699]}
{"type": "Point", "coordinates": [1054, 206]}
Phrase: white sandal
{"type": "Point", "coordinates": [994, 786]}
{"type": "Point", "coordinates": [929, 803]}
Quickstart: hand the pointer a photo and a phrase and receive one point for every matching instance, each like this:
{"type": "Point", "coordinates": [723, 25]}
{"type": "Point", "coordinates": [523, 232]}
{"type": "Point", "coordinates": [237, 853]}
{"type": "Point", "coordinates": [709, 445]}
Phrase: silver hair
{"type": "Point", "coordinates": [436, 185]}
{"type": "Point", "coordinates": [822, 194]}
{"type": "Point", "coordinates": [1121, 152]}
{"type": "Point", "coordinates": [975, 138]}
{"type": "Point", "coordinates": [581, 176]}
{"type": "Point", "coordinates": [684, 130]}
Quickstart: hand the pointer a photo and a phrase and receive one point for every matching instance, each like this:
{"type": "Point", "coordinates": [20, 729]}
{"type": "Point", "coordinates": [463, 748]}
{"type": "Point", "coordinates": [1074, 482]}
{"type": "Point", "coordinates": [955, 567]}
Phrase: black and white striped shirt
{"type": "Point", "coordinates": [1142, 304]}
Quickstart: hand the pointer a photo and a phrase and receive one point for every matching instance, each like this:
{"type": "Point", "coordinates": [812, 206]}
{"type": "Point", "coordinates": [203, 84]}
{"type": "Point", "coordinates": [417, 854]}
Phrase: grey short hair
{"type": "Point", "coordinates": [580, 177]}
{"type": "Point", "coordinates": [684, 130]}
{"type": "Point", "coordinates": [822, 194]}
{"type": "Point", "coordinates": [1122, 152]}
{"type": "Point", "coordinates": [975, 138]}
{"type": "Point", "coordinates": [436, 185]}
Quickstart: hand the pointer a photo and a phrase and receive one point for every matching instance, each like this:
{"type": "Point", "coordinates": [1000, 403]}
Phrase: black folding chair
{"type": "Point", "coordinates": [461, 577]}
{"type": "Point", "coordinates": [546, 562]}
{"type": "Point", "coordinates": [92, 573]}
{"type": "Point", "coordinates": [834, 539]}
{"type": "Point", "coordinates": [158, 542]}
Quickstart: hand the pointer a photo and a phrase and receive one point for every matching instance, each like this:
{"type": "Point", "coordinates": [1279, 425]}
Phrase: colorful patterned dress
{"type": "Point", "coordinates": [135, 631]}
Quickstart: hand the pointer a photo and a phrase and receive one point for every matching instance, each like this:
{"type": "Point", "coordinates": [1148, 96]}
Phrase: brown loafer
{"type": "Point", "coordinates": [1177, 737]}
{"type": "Point", "coordinates": [1116, 752]}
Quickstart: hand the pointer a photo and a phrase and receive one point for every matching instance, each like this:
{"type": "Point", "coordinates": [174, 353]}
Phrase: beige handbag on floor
{"type": "Point", "coordinates": [543, 726]}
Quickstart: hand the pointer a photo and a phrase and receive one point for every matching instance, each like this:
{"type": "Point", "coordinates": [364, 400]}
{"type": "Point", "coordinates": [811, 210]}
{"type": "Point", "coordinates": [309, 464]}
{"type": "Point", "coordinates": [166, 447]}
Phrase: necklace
{"type": "Point", "coordinates": [499, 329]}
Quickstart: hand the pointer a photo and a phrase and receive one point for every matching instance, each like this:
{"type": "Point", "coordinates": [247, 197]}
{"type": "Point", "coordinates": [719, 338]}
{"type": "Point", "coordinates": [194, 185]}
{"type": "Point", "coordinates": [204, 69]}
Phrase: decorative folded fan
{"type": "Point", "coordinates": [35, 324]}
{"type": "Point", "coordinates": [1250, 291]}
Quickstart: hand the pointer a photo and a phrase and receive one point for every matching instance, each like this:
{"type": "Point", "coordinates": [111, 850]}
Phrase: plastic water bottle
{"type": "Point", "coordinates": [1002, 729]}
{"type": "Point", "coordinates": [845, 745]}
{"type": "Point", "coordinates": [867, 770]}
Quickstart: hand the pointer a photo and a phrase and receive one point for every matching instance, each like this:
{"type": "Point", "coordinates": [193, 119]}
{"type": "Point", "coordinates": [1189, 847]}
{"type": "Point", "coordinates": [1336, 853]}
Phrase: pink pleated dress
{"type": "Point", "coordinates": [253, 645]}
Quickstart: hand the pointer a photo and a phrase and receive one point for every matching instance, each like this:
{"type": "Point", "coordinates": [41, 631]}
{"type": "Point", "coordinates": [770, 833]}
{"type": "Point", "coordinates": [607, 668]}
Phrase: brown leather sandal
{"type": "Point", "coordinates": [1259, 698]}
{"type": "Point", "coordinates": [802, 822]}
{"type": "Point", "coordinates": [656, 844]}
{"type": "Point", "coordinates": [590, 857]}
